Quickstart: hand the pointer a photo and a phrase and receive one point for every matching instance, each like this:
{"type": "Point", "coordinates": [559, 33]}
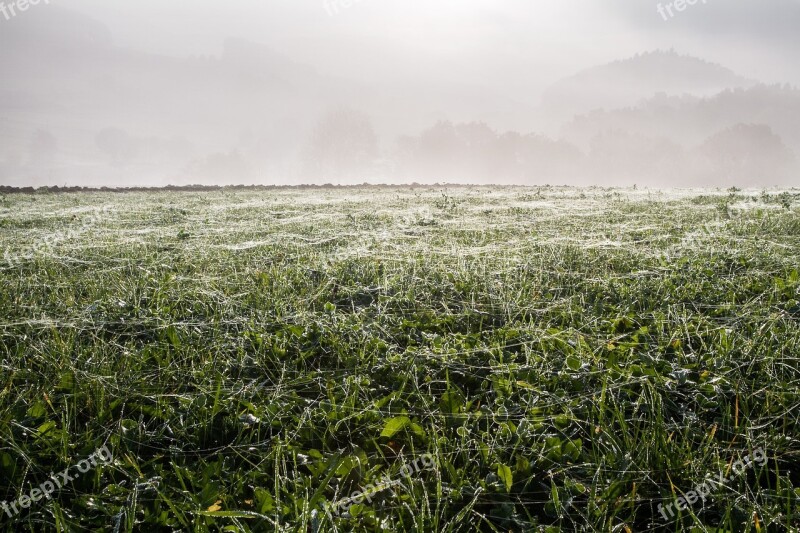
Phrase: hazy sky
{"type": "Point", "coordinates": [518, 46]}
{"type": "Point", "coordinates": [74, 110]}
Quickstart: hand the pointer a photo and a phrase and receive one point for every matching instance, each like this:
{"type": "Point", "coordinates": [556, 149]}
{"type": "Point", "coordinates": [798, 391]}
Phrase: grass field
{"type": "Point", "coordinates": [475, 359]}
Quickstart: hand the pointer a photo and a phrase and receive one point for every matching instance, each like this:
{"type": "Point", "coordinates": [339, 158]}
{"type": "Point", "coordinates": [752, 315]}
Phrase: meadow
{"type": "Point", "coordinates": [494, 359]}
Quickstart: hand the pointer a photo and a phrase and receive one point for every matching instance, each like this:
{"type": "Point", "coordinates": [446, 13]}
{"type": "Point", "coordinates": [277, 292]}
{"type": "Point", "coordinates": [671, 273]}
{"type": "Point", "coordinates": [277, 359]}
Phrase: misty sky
{"type": "Point", "coordinates": [516, 46]}
{"type": "Point", "coordinates": [117, 92]}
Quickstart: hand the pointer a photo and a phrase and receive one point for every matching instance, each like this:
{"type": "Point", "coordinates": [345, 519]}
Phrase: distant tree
{"type": "Point", "coordinates": [620, 156]}
{"type": "Point", "coordinates": [476, 135]}
{"type": "Point", "coordinates": [543, 159]}
{"type": "Point", "coordinates": [474, 152]}
{"type": "Point", "coordinates": [343, 145]}
{"type": "Point", "coordinates": [747, 154]}
{"type": "Point", "coordinates": [439, 147]}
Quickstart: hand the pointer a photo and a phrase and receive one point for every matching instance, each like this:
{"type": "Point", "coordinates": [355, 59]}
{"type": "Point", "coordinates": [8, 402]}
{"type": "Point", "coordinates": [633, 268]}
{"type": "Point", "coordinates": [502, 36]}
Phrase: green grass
{"type": "Point", "coordinates": [570, 358]}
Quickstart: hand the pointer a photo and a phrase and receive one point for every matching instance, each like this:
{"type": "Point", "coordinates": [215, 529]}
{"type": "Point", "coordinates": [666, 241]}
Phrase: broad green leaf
{"type": "Point", "coordinates": [506, 476]}
{"type": "Point", "coordinates": [395, 425]}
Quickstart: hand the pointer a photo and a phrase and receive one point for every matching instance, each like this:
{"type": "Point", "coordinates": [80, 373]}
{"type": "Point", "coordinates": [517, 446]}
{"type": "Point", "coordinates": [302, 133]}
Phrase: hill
{"type": "Point", "coordinates": [624, 83]}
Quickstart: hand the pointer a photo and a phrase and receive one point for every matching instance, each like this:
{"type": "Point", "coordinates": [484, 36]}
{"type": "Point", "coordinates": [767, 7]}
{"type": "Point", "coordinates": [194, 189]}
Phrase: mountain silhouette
{"type": "Point", "coordinates": [625, 83]}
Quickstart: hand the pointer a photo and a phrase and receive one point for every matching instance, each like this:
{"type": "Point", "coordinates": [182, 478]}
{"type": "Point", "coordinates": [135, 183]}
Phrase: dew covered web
{"type": "Point", "coordinates": [569, 358]}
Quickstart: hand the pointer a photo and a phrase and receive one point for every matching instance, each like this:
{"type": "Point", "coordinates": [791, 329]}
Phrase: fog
{"type": "Point", "coordinates": [601, 92]}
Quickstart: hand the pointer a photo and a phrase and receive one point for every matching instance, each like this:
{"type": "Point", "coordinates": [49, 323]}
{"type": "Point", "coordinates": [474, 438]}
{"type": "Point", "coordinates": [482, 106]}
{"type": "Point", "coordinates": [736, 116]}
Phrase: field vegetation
{"type": "Point", "coordinates": [570, 359]}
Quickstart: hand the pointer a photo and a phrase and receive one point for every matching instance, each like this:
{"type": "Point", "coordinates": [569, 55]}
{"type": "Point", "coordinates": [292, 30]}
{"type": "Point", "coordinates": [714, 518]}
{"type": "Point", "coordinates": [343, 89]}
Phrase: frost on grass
{"type": "Point", "coordinates": [567, 356]}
